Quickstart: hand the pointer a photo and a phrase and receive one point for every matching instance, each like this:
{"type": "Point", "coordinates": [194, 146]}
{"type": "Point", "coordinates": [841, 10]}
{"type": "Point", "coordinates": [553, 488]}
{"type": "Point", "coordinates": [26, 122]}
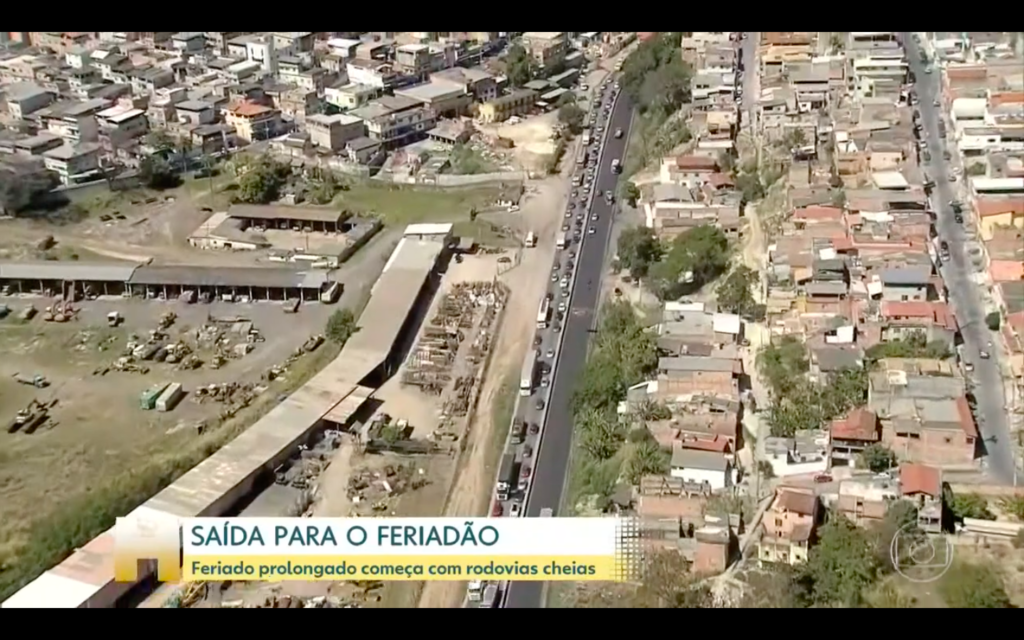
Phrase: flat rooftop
{"type": "Point", "coordinates": [277, 278]}
{"type": "Point", "coordinates": [285, 212]}
{"type": "Point", "coordinates": [68, 271]}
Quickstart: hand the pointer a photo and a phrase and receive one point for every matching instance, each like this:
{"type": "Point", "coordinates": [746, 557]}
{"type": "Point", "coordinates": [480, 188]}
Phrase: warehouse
{"type": "Point", "coordinates": [73, 279]}
{"type": "Point", "coordinates": [231, 283]}
{"type": "Point", "coordinates": [306, 219]}
{"type": "Point", "coordinates": [332, 397]}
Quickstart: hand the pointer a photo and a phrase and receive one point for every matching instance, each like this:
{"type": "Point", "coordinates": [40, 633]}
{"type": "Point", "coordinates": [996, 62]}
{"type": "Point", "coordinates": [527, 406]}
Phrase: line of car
{"type": "Point", "coordinates": [512, 489]}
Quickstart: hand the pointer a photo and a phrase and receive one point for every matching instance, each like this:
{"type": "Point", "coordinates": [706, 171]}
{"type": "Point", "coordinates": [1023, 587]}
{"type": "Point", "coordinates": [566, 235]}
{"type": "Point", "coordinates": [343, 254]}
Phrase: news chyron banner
{"type": "Point", "coordinates": [274, 549]}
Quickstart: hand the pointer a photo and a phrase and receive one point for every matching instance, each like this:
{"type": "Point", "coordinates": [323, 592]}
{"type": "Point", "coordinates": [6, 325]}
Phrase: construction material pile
{"type": "Point", "coordinates": [375, 491]}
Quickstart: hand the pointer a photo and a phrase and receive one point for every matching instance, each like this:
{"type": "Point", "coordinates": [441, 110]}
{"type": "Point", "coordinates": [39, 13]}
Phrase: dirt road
{"type": "Point", "coordinates": [470, 494]}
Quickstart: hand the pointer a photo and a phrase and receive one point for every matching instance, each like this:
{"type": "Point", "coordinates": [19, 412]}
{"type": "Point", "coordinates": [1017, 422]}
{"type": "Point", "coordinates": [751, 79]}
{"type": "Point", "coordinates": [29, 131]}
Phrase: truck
{"type": "Point", "coordinates": [506, 476]}
{"type": "Point", "coordinates": [474, 591]}
{"type": "Point", "coordinates": [518, 432]}
{"type": "Point", "coordinates": [547, 512]}
{"type": "Point", "coordinates": [543, 313]}
{"type": "Point", "coordinates": [490, 599]}
{"type": "Point", "coordinates": [616, 166]}
{"type": "Point", "coordinates": [531, 240]}
{"type": "Point", "coordinates": [586, 138]}
{"type": "Point", "coordinates": [529, 370]}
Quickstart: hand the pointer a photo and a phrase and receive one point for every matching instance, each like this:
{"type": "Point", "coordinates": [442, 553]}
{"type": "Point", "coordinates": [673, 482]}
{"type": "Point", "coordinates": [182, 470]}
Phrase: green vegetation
{"type": "Point", "coordinates": [690, 261]}
{"type": "Point", "coordinates": [658, 80]}
{"type": "Point", "coordinates": [638, 249]}
{"type": "Point", "coordinates": [519, 66]}
{"type": "Point", "coordinates": [754, 179]}
{"type": "Point", "coordinates": [324, 186]}
{"type": "Point", "coordinates": [629, 192]}
{"type": "Point", "coordinates": [735, 294]}
{"type": "Point", "coordinates": [842, 565]}
{"type": "Point", "coordinates": [977, 169]}
{"type": "Point", "coordinates": [465, 160]}
{"type": "Point", "coordinates": [974, 586]}
{"type": "Point", "coordinates": [340, 326]}
{"type": "Point", "coordinates": [914, 345]}
{"type": "Point", "coordinates": [1013, 506]}
{"type": "Point", "coordinates": [401, 205]}
{"type": "Point", "coordinates": [262, 181]}
{"type": "Point", "coordinates": [993, 321]}
{"type": "Point", "coordinates": [798, 403]}
{"type": "Point", "coordinates": [967, 505]}
{"type": "Point", "coordinates": [572, 117]}
{"type": "Point", "coordinates": [157, 173]}
{"type": "Point", "coordinates": [622, 354]}
{"type": "Point", "coordinates": [878, 458]}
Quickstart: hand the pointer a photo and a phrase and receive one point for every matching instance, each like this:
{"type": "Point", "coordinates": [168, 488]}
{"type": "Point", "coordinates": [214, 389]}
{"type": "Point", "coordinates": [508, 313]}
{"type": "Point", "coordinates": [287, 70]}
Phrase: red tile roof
{"type": "Point", "coordinates": [818, 214]}
{"type": "Point", "coordinates": [918, 478]}
{"type": "Point", "coordinates": [1006, 270]}
{"type": "Point", "coordinates": [717, 444]}
{"type": "Point", "coordinates": [1005, 97]}
{"type": "Point", "coordinates": [696, 163]}
{"type": "Point", "coordinates": [860, 424]}
{"type": "Point", "coordinates": [938, 312]}
{"type": "Point", "coordinates": [963, 411]}
{"type": "Point", "coordinates": [248, 109]}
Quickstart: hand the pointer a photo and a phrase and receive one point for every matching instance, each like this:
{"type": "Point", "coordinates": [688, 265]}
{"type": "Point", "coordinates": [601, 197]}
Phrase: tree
{"type": "Point", "coordinates": [842, 565]}
{"type": "Point", "coordinates": [601, 433]}
{"type": "Point", "coordinates": [157, 173]}
{"type": "Point", "coordinates": [977, 169]}
{"type": "Point", "coordinates": [878, 458]}
{"type": "Point", "coordinates": [974, 586]}
{"type": "Point", "coordinates": [340, 326]}
{"type": "Point", "coordinates": [783, 364]}
{"type": "Point", "coordinates": [566, 98]}
{"type": "Point", "coordinates": [647, 458]}
{"type": "Point", "coordinates": [630, 193]}
{"type": "Point", "coordinates": [912, 345]}
{"type": "Point", "coordinates": [572, 116]}
{"type": "Point", "coordinates": [692, 260]}
{"type": "Point", "coordinates": [638, 249]}
{"type": "Point", "coordinates": [727, 161]}
{"type": "Point", "coordinates": [993, 321]}
{"type": "Point", "coordinates": [968, 505]}
{"type": "Point", "coordinates": [262, 181]}
{"type": "Point", "coordinates": [900, 519]}
{"type": "Point", "coordinates": [1013, 506]}
{"type": "Point", "coordinates": [735, 296]}
{"type": "Point", "coordinates": [21, 184]}
{"type": "Point", "coordinates": [519, 66]}
{"type": "Point", "coordinates": [160, 142]}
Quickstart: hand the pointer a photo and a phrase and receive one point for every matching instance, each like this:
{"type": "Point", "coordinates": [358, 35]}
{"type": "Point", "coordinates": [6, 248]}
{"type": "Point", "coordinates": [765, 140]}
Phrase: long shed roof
{"type": "Point", "coordinates": [229, 277]}
{"type": "Point", "coordinates": [80, 271]}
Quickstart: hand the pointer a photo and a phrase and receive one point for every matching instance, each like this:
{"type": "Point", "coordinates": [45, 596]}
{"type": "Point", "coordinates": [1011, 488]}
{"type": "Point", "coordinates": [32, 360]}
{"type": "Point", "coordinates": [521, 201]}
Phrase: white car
{"type": "Point", "coordinates": [515, 510]}
{"type": "Point", "coordinates": [584, 87]}
{"type": "Point", "coordinates": [592, 230]}
{"type": "Point", "coordinates": [561, 307]}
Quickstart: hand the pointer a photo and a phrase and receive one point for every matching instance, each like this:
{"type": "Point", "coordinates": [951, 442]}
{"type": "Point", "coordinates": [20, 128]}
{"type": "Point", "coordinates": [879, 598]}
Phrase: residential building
{"type": "Point", "coordinates": [851, 435]}
{"type": "Point", "coordinates": [24, 98]}
{"type": "Point", "coordinates": [789, 526]}
{"type": "Point", "coordinates": [481, 85]}
{"type": "Point", "coordinates": [74, 121]}
{"type": "Point", "coordinates": [865, 499]}
{"type": "Point", "coordinates": [189, 41]}
{"type": "Point", "coordinates": [683, 376]}
{"type": "Point", "coordinates": [413, 59]}
{"type": "Point", "coordinates": [293, 43]}
{"type": "Point", "coordinates": [999, 213]}
{"type": "Point", "coordinates": [909, 284]}
{"type": "Point", "coordinates": [805, 453]}
{"type": "Point", "coordinates": [120, 125]}
{"type": "Point", "coordinates": [351, 96]}
{"type": "Point", "coordinates": [195, 112]}
{"type": "Point", "coordinates": [708, 469]}
{"type": "Point", "coordinates": [395, 121]}
{"type": "Point", "coordinates": [333, 132]}
{"type": "Point", "coordinates": [547, 48]}
{"type": "Point", "coordinates": [922, 485]}
{"type": "Point", "coordinates": [253, 122]}
{"type": "Point", "coordinates": [445, 99]}
{"type": "Point", "coordinates": [504, 107]}
{"type": "Point", "coordinates": [689, 171]}
{"type": "Point", "coordinates": [934, 320]}
{"type": "Point", "coordinates": [364, 150]}
{"type": "Point", "coordinates": [73, 164]}
{"type": "Point", "coordinates": [371, 73]}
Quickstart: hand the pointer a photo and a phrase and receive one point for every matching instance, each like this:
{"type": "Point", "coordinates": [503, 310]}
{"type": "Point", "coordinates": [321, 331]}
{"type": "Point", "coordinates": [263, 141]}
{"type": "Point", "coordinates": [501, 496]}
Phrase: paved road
{"type": "Point", "coordinates": [552, 463]}
{"type": "Point", "coordinates": [964, 292]}
{"type": "Point", "coordinates": [751, 78]}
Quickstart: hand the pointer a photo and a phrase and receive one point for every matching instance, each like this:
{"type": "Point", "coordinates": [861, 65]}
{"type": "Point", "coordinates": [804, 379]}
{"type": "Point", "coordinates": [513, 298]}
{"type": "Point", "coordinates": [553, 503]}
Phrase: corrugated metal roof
{"type": "Point", "coordinates": [229, 277]}
{"type": "Point", "coordinates": [79, 271]}
{"type": "Point", "coordinates": [284, 212]}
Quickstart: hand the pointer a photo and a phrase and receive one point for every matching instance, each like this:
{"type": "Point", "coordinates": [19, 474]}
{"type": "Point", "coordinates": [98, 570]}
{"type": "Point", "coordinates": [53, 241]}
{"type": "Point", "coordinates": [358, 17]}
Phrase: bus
{"type": "Point", "coordinates": [529, 371]}
{"type": "Point", "coordinates": [586, 138]}
{"type": "Point", "coordinates": [543, 313]}
{"type": "Point", "coordinates": [581, 157]}
{"type": "Point", "coordinates": [531, 240]}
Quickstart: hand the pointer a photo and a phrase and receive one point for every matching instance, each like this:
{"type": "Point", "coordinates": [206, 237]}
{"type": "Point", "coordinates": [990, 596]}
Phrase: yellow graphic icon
{"type": "Point", "coordinates": [149, 540]}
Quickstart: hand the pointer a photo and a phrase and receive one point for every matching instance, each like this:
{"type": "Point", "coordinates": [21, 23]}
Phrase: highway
{"type": "Point", "coordinates": [552, 458]}
{"type": "Point", "coordinates": [965, 294]}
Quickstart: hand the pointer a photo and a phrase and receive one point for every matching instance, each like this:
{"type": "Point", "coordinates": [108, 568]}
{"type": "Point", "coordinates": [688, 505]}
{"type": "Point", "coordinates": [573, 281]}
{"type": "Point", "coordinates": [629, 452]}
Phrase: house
{"type": "Point", "coordinates": [73, 164]}
{"type": "Point", "coordinates": [789, 527]}
{"type": "Point", "coordinates": [445, 99]}
{"type": "Point", "coordinates": [908, 284]}
{"type": "Point", "coordinates": [934, 320]}
{"type": "Point", "coordinates": [195, 112]}
{"type": "Point", "coordinates": [481, 85]}
{"type": "Point", "coordinates": [925, 419]}
{"type": "Point", "coordinates": [363, 150]}
{"type": "Point", "coordinates": [689, 171]}
{"type": "Point", "coordinates": [334, 132]}
{"type": "Point", "coordinates": [74, 121]}
{"type": "Point", "coordinates": [24, 98]}
{"type": "Point", "coordinates": [865, 499]}
{"type": "Point", "coordinates": [711, 556]}
{"type": "Point", "coordinates": [121, 124]}
{"type": "Point", "coordinates": [686, 375]}
{"type": "Point", "coordinates": [251, 121]}
{"type": "Point", "coordinates": [504, 107]}
{"type": "Point", "coordinates": [708, 469]}
{"type": "Point", "coordinates": [805, 453]}
{"type": "Point", "coordinates": [546, 47]}
{"type": "Point", "coordinates": [851, 435]}
{"type": "Point", "coordinates": [922, 485]}
{"type": "Point", "coordinates": [189, 41]}
{"type": "Point", "coordinates": [996, 213]}
{"type": "Point", "coordinates": [351, 96]}
{"type": "Point", "coordinates": [395, 121]}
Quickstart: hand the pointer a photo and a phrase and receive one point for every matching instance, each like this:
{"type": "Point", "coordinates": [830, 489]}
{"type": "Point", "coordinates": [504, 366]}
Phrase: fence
{"type": "Point", "coordinates": [450, 180]}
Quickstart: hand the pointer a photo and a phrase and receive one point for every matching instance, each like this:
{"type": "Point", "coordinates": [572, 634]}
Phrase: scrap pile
{"type": "Point", "coordinates": [230, 393]}
{"type": "Point", "coordinates": [278, 370]}
{"type": "Point", "coordinates": [430, 365]}
{"type": "Point", "coordinates": [379, 489]}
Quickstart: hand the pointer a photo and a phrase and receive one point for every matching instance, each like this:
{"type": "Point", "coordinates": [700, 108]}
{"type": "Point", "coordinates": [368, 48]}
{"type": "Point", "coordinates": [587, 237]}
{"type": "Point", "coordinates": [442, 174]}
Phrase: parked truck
{"type": "Point", "coordinates": [506, 476]}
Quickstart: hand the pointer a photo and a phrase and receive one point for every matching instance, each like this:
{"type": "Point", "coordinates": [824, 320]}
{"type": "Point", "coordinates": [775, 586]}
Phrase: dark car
{"type": "Point", "coordinates": [540, 405]}
{"type": "Point", "coordinates": [534, 428]}
{"type": "Point", "coordinates": [958, 218]}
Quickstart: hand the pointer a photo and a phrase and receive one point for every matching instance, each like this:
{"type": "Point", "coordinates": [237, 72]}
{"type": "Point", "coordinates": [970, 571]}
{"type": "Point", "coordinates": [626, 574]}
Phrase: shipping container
{"type": "Point", "coordinates": [147, 401]}
{"type": "Point", "coordinates": [170, 397]}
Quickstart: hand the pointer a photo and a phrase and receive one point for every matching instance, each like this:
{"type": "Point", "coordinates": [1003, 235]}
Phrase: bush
{"type": "Point", "coordinates": [340, 326]}
{"type": "Point", "coordinates": [993, 321]}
